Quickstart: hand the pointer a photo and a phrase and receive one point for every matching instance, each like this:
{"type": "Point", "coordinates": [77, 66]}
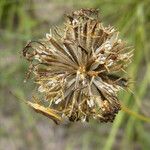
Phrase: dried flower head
{"type": "Point", "coordinates": [78, 71]}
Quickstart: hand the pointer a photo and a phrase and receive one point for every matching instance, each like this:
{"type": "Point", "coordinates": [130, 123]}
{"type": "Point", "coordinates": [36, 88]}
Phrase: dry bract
{"type": "Point", "coordinates": [78, 70]}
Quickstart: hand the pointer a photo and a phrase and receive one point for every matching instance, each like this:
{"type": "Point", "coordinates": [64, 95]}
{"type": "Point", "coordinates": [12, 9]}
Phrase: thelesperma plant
{"type": "Point", "coordinates": [79, 69]}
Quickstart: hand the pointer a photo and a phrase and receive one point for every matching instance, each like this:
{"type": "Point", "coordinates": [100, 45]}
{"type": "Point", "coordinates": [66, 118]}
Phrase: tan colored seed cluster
{"type": "Point", "coordinates": [78, 69]}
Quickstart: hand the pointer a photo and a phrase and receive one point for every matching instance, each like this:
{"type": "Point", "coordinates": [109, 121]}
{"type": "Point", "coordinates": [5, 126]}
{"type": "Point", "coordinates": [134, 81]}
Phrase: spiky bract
{"type": "Point", "coordinates": [78, 70]}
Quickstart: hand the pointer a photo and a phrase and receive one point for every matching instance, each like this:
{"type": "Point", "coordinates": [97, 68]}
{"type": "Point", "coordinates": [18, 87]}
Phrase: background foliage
{"type": "Point", "coordinates": [20, 127]}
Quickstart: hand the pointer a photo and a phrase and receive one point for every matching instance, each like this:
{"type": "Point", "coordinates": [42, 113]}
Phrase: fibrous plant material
{"type": "Point", "coordinates": [79, 69]}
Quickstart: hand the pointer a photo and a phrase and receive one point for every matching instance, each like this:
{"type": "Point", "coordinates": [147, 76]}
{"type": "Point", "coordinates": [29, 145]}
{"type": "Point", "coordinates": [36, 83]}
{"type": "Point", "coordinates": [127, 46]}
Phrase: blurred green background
{"type": "Point", "coordinates": [23, 129]}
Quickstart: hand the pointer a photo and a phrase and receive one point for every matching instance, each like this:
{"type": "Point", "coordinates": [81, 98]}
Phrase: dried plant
{"type": "Point", "coordinates": [79, 70]}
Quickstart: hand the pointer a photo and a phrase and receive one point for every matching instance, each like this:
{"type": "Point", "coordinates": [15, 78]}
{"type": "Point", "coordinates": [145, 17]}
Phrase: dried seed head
{"type": "Point", "coordinates": [77, 72]}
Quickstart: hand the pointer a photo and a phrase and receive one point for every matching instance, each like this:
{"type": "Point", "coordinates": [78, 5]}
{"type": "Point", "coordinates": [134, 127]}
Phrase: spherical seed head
{"type": "Point", "coordinates": [77, 70]}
